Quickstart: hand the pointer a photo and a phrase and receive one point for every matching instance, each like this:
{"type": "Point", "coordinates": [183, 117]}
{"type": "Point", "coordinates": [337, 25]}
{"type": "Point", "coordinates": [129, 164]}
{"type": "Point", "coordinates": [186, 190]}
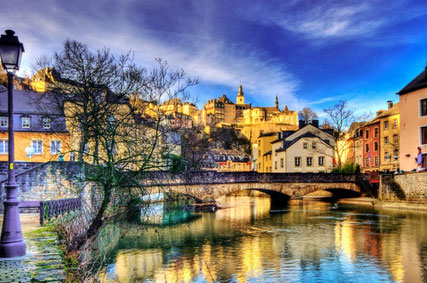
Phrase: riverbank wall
{"type": "Point", "coordinates": [403, 187]}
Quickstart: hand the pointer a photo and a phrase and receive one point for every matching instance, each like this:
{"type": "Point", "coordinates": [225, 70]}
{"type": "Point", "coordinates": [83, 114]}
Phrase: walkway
{"type": "Point", "coordinates": [43, 262]}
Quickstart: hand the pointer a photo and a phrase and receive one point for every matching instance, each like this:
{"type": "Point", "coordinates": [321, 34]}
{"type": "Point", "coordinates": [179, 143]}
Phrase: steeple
{"type": "Point", "coordinates": [277, 102]}
{"type": "Point", "coordinates": [240, 96]}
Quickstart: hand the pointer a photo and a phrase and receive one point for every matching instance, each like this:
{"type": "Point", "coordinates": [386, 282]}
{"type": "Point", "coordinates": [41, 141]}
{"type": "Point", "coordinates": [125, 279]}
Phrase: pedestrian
{"type": "Point", "coordinates": [419, 160]}
{"type": "Point", "coordinates": [61, 158]}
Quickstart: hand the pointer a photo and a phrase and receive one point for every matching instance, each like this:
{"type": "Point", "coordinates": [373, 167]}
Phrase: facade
{"type": "Point", "coordinates": [371, 146]}
{"type": "Point", "coordinates": [413, 120]}
{"type": "Point", "coordinates": [309, 149]}
{"type": "Point", "coordinates": [389, 137]}
{"type": "Point", "coordinates": [38, 125]}
{"type": "Point", "coordinates": [251, 121]}
{"type": "Point", "coordinates": [264, 157]}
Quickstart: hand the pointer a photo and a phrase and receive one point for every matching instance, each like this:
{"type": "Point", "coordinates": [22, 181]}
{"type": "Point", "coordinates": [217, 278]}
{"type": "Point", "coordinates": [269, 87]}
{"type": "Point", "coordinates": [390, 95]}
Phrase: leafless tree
{"type": "Point", "coordinates": [307, 115]}
{"type": "Point", "coordinates": [114, 128]}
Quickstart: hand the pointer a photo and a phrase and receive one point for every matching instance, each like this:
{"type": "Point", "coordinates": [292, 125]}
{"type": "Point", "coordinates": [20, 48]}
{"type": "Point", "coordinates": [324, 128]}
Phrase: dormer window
{"type": "Point", "coordinates": [4, 122]}
{"type": "Point", "coordinates": [25, 122]}
{"type": "Point", "coordinates": [46, 123]}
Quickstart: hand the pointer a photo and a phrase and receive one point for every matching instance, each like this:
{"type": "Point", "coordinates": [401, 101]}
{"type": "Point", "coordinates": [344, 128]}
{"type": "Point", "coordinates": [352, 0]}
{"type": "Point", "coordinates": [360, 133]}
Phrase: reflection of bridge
{"type": "Point", "coordinates": [208, 186]}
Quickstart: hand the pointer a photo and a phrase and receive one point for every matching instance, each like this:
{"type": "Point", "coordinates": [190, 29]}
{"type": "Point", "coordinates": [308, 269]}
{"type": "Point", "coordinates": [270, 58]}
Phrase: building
{"type": "Point", "coordinates": [251, 121]}
{"type": "Point", "coordinates": [413, 120]}
{"type": "Point", "coordinates": [231, 160]}
{"type": "Point", "coordinates": [264, 162]}
{"type": "Point", "coordinates": [309, 149]}
{"type": "Point", "coordinates": [371, 145]}
{"type": "Point", "coordinates": [40, 129]}
{"type": "Point", "coordinates": [389, 137]}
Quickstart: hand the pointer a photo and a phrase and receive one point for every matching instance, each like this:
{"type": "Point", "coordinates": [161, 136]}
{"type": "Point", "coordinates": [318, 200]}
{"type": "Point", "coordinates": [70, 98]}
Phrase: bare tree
{"type": "Point", "coordinates": [341, 118]}
{"type": "Point", "coordinates": [307, 115]}
{"type": "Point", "coordinates": [105, 100]}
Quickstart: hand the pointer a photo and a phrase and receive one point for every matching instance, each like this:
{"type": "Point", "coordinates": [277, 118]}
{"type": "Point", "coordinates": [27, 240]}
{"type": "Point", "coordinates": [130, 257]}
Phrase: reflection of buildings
{"type": "Point", "coordinates": [299, 245]}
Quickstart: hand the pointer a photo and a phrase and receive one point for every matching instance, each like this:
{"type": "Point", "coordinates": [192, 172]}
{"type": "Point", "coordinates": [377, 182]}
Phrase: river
{"type": "Point", "coordinates": [249, 241]}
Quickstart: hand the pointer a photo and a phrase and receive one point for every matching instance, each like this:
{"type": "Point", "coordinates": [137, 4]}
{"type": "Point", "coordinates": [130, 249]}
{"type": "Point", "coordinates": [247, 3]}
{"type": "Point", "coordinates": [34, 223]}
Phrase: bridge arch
{"type": "Point", "coordinates": [212, 192]}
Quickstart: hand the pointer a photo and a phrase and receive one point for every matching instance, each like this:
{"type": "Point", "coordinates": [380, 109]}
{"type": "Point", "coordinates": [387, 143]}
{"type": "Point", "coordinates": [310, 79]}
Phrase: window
{"type": "Point", "coordinates": [376, 160]}
{"type": "Point", "coordinates": [309, 161]}
{"type": "Point", "coordinates": [367, 147]}
{"type": "Point", "coordinates": [321, 160]}
{"type": "Point", "coordinates": [376, 132]}
{"type": "Point", "coordinates": [386, 125]}
{"type": "Point", "coordinates": [395, 123]}
{"type": "Point", "coordinates": [386, 140]}
{"type": "Point", "coordinates": [395, 139]}
{"type": "Point", "coordinates": [282, 164]}
{"type": "Point", "coordinates": [376, 146]}
{"type": "Point", "coordinates": [55, 147]}
{"type": "Point", "coordinates": [423, 135]}
{"type": "Point", "coordinates": [313, 145]}
{"type": "Point", "coordinates": [367, 161]}
{"type": "Point", "coordinates": [423, 107]}
{"type": "Point", "coordinates": [367, 134]}
{"type": "Point", "coordinates": [4, 122]}
{"type": "Point", "coordinates": [387, 157]}
{"type": "Point", "coordinates": [297, 161]}
{"type": "Point", "coordinates": [37, 145]}
{"type": "Point", "coordinates": [275, 164]}
{"type": "Point", "coordinates": [46, 123]}
{"type": "Point", "coordinates": [4, 146]}
{"type": "Point", "coordinates": [305, 145]}
{"type": "Point", "coordinates": [25, 122]}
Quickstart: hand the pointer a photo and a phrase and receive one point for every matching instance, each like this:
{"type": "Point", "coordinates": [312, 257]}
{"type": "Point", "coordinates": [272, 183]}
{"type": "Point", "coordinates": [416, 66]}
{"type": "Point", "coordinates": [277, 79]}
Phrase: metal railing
{"type": "Point", "coordinates": [54, 208]}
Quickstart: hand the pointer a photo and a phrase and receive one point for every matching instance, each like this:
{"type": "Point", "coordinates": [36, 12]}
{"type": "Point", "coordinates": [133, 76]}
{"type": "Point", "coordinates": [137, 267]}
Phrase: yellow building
{"type": "Point", "coordinates": [263, 155]}
{"type": "Point", "coordinates": [40, 131]}
{"type": "Point", "coordinates": [389, 135]}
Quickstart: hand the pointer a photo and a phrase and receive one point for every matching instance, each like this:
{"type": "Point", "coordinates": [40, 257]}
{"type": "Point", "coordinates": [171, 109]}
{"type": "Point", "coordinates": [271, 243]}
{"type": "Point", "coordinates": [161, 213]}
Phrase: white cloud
{"type": "Point", "coordinates": [211, 60]}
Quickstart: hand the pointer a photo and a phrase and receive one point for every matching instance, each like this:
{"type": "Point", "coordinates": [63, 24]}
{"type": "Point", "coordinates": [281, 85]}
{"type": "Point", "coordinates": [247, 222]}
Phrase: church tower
{"type": "Point", "coordinates": [240, 96]}
{"type": "Point", "coordinates": [277, 102]}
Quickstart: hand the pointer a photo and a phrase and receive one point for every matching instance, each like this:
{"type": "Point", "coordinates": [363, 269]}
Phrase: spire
{"type": "Point", "coordinates": [286, 109]}
{"type": "Point", "coordinates": [277, 102]}
{"type": "Point", "coordinates": [240, 90]}
{"type": "Point", "coordinates": [240, 96]}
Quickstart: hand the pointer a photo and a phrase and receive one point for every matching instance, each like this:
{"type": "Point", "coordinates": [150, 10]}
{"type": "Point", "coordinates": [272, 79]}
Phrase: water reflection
{"type": "Point", "coordinates": [245, 242]}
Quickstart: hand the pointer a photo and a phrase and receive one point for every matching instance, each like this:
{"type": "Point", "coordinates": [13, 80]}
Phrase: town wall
{"type": "Point", "coordinates": [409, 186]}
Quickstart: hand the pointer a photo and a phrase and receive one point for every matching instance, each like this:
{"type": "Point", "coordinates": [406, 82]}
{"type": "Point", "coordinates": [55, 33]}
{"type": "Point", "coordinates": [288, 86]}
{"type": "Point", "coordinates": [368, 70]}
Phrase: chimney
{"type": "Point", "coordinates": [301, 124]}
{"type": "Point", "coordinates": [390, 104]}
{"type": "Point", "coordinates": [315, 123]}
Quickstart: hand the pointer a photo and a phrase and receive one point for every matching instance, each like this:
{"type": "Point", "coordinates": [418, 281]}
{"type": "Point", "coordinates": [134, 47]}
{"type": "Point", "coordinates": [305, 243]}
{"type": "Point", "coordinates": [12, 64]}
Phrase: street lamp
{"type": "Point", "coordinates": [11, 244]}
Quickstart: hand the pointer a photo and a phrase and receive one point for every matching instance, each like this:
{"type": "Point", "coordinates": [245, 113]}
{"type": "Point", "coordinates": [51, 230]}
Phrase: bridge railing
{"type": "Point", "coordinates": [54, 208]}
{"type": "Point", "coordinates": [213, 177]}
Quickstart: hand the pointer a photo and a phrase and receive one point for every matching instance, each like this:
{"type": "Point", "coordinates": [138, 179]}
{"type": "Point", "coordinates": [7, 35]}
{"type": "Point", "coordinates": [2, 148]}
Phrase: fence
{"type": "Point", "coordinates": [54, 208]}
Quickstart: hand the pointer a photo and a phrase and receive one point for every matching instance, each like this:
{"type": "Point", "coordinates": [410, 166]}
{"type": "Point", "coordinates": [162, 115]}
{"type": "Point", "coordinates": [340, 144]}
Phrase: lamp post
{"type": "Point", "coordinates": [11, 244]}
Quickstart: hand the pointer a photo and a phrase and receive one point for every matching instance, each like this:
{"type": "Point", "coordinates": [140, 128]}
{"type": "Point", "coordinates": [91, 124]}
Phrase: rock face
{"type": "Point", "coordinates": [409, 186]}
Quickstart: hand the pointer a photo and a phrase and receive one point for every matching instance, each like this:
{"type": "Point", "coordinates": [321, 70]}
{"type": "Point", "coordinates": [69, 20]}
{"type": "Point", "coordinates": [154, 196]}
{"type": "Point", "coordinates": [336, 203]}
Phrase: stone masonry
{"type": "Point", "coordinates": [409, 186]}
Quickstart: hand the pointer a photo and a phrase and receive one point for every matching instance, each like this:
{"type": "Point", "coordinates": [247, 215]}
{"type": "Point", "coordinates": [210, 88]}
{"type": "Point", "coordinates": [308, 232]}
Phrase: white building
{"type": "Point", "coordinates": [309, 149]}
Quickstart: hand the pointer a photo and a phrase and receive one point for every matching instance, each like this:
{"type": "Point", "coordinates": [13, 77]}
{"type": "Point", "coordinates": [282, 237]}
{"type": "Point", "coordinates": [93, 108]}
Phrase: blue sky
{"type": "Point", "coordinates": [308, 53]}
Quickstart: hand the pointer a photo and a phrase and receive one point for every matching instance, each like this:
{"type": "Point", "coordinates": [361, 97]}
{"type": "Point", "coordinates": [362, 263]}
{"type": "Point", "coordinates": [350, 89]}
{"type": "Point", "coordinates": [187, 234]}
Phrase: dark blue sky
{"type": "Point", "coordinates": [309, 53]}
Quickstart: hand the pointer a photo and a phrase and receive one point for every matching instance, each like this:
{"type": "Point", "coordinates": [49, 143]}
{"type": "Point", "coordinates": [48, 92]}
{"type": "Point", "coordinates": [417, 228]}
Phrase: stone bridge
{"type": "Point", "coordinates": [210, 185]}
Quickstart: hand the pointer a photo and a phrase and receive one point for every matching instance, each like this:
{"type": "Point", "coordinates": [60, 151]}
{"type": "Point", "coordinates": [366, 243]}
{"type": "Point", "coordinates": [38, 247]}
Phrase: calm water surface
{"type": "Point", "coordinates": [248, 241]}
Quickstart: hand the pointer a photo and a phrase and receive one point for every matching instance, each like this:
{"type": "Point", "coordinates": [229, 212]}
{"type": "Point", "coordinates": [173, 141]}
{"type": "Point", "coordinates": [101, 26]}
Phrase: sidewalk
{"type": "Point", "coordinates": [43, 262]}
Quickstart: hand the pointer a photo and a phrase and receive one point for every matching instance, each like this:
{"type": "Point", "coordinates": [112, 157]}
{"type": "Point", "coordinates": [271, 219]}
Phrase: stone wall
{"type": "Point", "coordinates": [45, 181]}
{"type": "Point", "coordinates": [409, 186]}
